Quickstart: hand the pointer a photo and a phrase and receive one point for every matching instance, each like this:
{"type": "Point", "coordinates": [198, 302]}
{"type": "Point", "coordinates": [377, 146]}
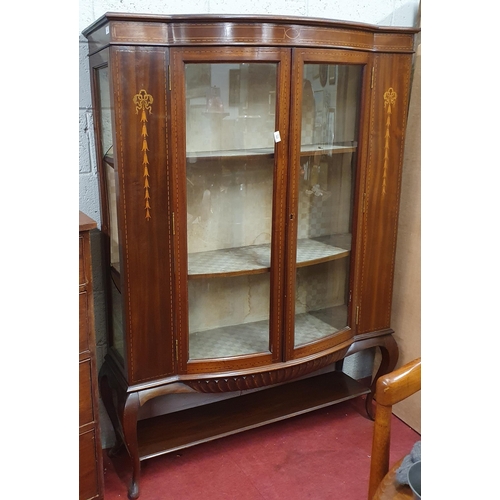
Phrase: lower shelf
{"type": "Point", "coordinates": [178, 430]}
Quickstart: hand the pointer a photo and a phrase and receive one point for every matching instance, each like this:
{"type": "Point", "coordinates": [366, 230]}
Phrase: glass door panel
{"type": "Point", "coordinates": [329, 134]}
{"type": "Point", "coordinates": [230, 122]}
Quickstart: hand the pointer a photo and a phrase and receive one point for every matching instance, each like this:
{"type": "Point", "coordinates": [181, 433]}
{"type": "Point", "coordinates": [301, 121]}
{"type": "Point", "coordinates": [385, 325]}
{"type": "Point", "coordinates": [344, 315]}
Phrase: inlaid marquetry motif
{"type": "Point", "coordinates": [143, 102]}
{"type": "Point", "coordinates": [390, 97]}
{"type": "Point", "coordinates": [292, 33]}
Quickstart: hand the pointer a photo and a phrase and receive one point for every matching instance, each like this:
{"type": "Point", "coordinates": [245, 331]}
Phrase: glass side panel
{"type": "Point", "coordinates": [104, 109]}
{"type": "Point", "coordinates": [106, 139]}
{"type": "Point", "coordinates": [230, 121]}
{"type": "Point", "coordinates": [329, 134]}
{"type": "Point", "coordinates": [107, 152]}
{"type": "Point", "coordinates": [118, 334]}
{"type": "Point", "coordinates": [113, 217]}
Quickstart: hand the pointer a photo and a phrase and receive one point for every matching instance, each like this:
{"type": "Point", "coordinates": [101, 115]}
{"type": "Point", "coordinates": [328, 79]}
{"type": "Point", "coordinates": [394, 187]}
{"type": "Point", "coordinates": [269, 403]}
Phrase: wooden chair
{"type": "Point", "coordinates": [390, 389]}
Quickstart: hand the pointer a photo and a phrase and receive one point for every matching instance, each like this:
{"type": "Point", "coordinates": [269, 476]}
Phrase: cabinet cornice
{"type": "Point", "coordinates": [129, 29]}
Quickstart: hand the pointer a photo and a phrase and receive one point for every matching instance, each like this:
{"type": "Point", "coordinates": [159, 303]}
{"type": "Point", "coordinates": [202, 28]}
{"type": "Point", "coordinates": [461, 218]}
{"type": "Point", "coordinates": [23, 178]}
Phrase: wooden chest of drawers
{"type": "Point", "coordinates": [91, 472]}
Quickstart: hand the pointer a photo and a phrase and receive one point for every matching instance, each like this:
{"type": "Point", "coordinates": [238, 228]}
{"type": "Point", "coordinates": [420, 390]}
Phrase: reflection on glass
{"type": "Point", "coordinates": [113, 217]}
{"type": "Point", "coordinates": [104, 109]}
{"type": "Point", "coordinates": [329, 134]}
{"type": "Point", "coordinates": [230, 163]}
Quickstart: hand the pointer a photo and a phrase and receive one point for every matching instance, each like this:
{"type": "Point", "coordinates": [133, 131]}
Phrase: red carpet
{"type": "Point", "coordinates": [320, 455]}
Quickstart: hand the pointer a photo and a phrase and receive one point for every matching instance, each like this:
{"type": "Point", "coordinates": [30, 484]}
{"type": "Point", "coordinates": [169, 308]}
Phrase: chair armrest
{"type": "Point", "coordinates": [399, 384]}
{"type": "Point", "coordinates": [390, 389]}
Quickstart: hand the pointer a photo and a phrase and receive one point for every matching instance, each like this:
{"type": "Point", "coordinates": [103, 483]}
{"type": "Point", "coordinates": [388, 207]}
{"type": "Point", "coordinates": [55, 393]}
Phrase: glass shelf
{"type": "Point", "coordinates": [306, 150]}
{"type": "Point", "coordinates": [255, 259]}
{"type": "Point", "coordinates": [328, 149]}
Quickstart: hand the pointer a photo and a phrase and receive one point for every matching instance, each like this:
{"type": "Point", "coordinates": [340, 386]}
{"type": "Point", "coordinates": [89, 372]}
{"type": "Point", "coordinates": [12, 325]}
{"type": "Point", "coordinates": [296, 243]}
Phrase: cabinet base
{"type": "Point", "coordinates": [174, 431]}
{"type": "Point", "coordinates": [155, 436]}
{"type": "Point", "coordinates": [166, 433]}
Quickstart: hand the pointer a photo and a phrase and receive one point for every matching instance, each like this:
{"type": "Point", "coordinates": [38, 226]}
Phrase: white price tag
{"type": "Point", "coordinates": [107, 30]}
{"type": "Point", "coordinates": [277, 137]}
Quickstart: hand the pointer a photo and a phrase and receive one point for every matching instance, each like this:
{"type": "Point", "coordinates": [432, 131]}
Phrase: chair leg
{"type": "Point", "coordinates": [380, 448]}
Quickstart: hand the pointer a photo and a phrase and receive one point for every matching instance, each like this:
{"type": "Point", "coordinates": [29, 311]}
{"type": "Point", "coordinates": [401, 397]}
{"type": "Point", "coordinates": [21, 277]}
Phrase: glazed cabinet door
{"type": "Point", "coordinates": [326, 154]}
{"type": "Point", "coordinates": [230, 146]}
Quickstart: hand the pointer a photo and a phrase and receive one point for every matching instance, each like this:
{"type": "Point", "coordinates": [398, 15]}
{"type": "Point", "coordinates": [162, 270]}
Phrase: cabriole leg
{"type": "Point", "coordinates": [389, 357]}
{"type": "Point", "coordinates": [129, 423]}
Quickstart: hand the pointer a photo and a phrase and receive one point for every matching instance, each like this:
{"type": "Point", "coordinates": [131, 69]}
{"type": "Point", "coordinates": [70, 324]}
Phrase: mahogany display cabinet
{"type": "Point", "coordinates": [249, 172]}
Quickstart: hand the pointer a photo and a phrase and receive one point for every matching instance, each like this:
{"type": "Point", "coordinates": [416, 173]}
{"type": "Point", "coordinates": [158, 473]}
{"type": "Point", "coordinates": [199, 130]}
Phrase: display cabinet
{"type": "Point", "coordinates": [249, 174]}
